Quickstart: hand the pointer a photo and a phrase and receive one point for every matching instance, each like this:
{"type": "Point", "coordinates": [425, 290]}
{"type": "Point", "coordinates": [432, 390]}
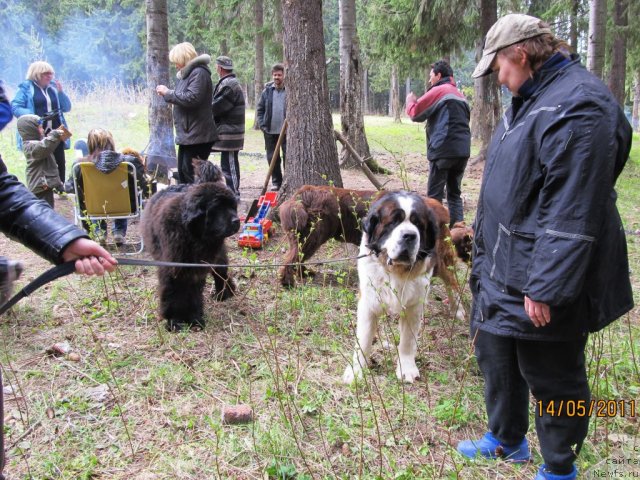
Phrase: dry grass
{"type": "Point", "coordinates": [144, 404]}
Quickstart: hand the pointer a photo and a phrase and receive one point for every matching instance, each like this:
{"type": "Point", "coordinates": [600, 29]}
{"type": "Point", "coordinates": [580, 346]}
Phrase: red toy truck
{"type": "Point", "coordinates": [256, 229]}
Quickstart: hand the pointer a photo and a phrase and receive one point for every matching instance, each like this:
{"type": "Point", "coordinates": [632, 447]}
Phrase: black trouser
{"type": "Point", "coordinates": [447, 172]}
{"type": "Point", "coordinates": [270, 141]}
{"type": "Point", "coordinates": [554, 372]}
{"type": "Point", "coordinates": [231, 170]}
{"type": "Point", "coordinates": [186, 153]}
{"type": "Point", "coordinates": [58, 153]}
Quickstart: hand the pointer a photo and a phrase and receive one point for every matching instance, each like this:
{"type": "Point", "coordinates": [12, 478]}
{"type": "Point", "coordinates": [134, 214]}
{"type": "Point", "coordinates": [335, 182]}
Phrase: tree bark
{"type": "Point", "coordinates": [258, 76]}
{"type": "Point", "coordinates": [312, 155]}
{"type": "Point", "coordinates": [486, 97]}
{"type": "Point", "coordinates": [161, 152]}
{"type": "Point", "coordinates": [573, 28]}
{"type": "Point", "coordinates": [394, 95]}
{"type": "Point", "coordinates": [597, 32]}
{"type": "Point", "coordinates": [619, 52]}
{"type": "Point", "coordinates": [636, 102]}
{"type": "Point", "coordinates": [351, 116]}
{"type": "Point", "coordinates": [366, 97]}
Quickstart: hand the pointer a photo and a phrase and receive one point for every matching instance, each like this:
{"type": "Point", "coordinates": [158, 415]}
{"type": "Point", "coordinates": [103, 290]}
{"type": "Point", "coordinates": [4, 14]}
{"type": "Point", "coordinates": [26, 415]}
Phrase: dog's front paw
{"type": "Point", "coordinates": [461, 315]}
{"type": "Point", "coordinates": [286, 275]}
{"type": "Point", "coordinates": [351, 374]}
{"type": "Point", "coordinates": [228, 291]}
{"type": "Point", "coordinates": [407, 372]}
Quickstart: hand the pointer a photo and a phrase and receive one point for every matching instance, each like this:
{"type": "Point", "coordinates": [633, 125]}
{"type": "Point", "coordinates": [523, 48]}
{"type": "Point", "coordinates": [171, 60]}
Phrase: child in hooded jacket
{"type": "Point", "coordinates": [42, 169]}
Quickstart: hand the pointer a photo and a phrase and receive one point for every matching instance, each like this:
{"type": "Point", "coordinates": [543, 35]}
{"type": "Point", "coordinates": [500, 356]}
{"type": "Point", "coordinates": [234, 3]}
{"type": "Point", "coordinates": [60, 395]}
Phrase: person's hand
{"type": "Point", "coordinates": [411, 98]}
{"type": "Point", "coordinates": [91, 258]}
{"type": "Point", "coordinates": [58, 84]}
{"type": "Point", "coordinates": [162, 90]}
{"type": "Point", "coordinates": [65, 134]}
{"type": "Point", "coordinates": [539, 313]}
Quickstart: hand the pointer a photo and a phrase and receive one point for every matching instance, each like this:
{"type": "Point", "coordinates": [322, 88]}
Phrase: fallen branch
{"type": "Point", "coordinates": [360, 161]}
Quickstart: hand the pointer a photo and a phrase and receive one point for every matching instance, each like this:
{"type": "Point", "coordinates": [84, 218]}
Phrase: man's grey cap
{"type": "Point", "coordinates": [224, 62]}
{"type": "Point", "coordinates": [510, 29]}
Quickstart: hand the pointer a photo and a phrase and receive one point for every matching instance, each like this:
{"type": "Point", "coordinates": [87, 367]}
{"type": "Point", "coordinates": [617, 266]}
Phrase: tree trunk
{"type": "Point", "coordinates": [366, 98]}
{"type": "Point", "coordinates": [597, 32]}
{"type": "Point", "coordinates": [573, 28]}
{"type": "Point", "coordinates": [486, 97]}
{"type": "Point", "coordinates": [394, 95]}
{"type": "Point", "coordinates": [636, 101]}
{"type": "Point", "coordinates": [619, 53]}
{"type": "Point", "coordinates": [312, 155]}
{"type": "Point", "coordinates": [351, 116]}
{"type": "Point", "coordinates": [161, 152]}
{"type": "Point", "coordinates": [258, 76]}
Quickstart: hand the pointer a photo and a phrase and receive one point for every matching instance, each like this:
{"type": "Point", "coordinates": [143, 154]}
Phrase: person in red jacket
{"type": "Point", "coordinates": [447, 114]}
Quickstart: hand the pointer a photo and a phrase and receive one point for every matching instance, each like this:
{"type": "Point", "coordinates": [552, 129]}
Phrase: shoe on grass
{"type": "Point", "coordinates": [491, 448]}
{"type": "Point", "coordinates": [118, 239]}
{"type": "Point", "coordinates": [544, 474]}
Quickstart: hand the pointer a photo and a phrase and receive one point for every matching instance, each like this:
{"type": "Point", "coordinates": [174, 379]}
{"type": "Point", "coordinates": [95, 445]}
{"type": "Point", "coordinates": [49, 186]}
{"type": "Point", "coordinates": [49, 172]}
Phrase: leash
{"type": "Point", "coordinates": [67, 268]}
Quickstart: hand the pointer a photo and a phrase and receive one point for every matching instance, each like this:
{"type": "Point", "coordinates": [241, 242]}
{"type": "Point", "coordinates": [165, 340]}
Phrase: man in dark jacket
{"type": "Point", "coordinates": [550, 261]}
{"type": "Point", "coordinates": [228, 112]}
{"type": "Point", "coordinates": [271, 113]}
{"type": "Point", "coordinates": [448, 135]}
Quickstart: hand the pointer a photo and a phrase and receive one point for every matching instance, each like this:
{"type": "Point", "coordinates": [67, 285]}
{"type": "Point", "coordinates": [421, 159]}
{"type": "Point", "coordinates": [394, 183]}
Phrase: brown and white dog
{"type": "Point", "coordinates": [462, 238]}
{"type": "Point", "coordinates": [400, 236]}
{"type": "Point", "coordinates": [316, 214]}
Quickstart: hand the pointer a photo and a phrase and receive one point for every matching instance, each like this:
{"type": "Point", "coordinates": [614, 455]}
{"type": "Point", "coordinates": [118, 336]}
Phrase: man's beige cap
{"type": "Point", "coordinates": [510, 29]}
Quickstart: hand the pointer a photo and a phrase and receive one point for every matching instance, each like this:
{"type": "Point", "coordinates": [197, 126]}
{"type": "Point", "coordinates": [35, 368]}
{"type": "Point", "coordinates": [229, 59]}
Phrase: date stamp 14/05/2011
{"type": "Point", "coordinates": [586, 408]}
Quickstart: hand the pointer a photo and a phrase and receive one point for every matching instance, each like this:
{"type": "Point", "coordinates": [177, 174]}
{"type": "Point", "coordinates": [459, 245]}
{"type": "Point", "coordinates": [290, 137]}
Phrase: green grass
{"type": "Point", "coordinates": [280, 351]}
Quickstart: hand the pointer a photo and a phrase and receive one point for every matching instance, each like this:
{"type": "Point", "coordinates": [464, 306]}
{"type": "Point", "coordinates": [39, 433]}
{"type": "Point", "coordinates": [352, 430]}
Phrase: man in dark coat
{"type": "Point", "coordinates": [271, 113]}
{"type": "Point", "coordinates": [550, 259]}
{"type": "Point", "coordinates": [448, 135]}
{"type": "Point", "coordinates": [228, 111]}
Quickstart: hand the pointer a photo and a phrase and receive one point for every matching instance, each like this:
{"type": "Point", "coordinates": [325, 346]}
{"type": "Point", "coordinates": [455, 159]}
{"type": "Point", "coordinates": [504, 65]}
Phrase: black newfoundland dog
{"type": "Point", "coordinates": [188, 224]}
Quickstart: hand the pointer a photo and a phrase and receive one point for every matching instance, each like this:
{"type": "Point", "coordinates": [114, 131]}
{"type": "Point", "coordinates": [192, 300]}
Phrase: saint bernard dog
{"type": "Point", "coordinates": [399, 243]}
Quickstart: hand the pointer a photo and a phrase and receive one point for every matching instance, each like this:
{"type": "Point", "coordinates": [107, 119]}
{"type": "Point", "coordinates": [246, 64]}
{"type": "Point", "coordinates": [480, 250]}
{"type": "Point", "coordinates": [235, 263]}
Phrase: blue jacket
{"type": "Point", "coordinates": [547, 225]}
{"type": "Point", "coordinates": [5, 108]}
{"type": "Point", "coordinates": [22, 104]}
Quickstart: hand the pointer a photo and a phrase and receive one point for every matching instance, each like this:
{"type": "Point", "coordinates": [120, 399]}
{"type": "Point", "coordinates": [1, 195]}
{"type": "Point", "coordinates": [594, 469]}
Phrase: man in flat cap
{"type": "Point", "coordinates": [228, 111]}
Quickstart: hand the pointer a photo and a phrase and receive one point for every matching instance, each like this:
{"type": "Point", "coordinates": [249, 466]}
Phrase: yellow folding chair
{"type": "Point", "coordinates": [107, 196]}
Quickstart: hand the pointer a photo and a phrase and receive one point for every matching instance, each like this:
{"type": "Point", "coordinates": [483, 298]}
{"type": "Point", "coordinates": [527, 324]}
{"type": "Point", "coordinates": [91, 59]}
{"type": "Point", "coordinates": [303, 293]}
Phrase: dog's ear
{"type": "Point", "coordinates": [429, 234]}
{"type": "Point", "coordinates": [369, 227]}
{"type": "Point", "coordinates": [194, 216]}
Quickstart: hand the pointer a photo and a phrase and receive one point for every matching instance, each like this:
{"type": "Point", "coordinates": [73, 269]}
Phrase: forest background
{"type": "Point", "coordinates": [94, 41]}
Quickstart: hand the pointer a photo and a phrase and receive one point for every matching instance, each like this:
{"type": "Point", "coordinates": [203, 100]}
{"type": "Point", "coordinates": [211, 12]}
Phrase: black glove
{"type": "Point", "coordinates": [3, 96]}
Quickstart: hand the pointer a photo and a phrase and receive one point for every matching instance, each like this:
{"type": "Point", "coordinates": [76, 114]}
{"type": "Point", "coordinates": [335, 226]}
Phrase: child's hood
{"type": "Point", "coordinates": [28, 127]}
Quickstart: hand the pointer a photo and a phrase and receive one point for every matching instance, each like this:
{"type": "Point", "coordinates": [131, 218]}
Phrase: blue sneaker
{"type": "Point", "coordinates": [544, 474]}
{"type": "Point", "coordinates": [489, 447]}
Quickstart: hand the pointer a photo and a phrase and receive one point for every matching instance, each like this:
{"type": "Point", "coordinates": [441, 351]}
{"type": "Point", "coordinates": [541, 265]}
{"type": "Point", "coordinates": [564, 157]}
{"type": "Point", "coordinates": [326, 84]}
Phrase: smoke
{"type": "Point", "coordinates": [82, 47]}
